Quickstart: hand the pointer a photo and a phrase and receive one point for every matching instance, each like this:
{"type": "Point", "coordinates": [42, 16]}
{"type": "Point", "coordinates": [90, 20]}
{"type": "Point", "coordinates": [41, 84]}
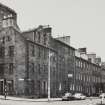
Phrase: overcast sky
{"type": "Point", "coordinates": [83, 20]}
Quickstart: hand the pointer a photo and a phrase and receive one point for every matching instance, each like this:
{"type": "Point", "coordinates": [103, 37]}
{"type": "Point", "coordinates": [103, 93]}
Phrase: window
{"type": "Point", "coordinates": [81, 76]}
{"type": "Point", "coordinates": [44, 38]}
{"type": "Point", "coordinates": [44, 68]}
{"type": "Point", "coordinates": [89, 79]}
{"type": "Point", "coordinates": [89, 59]}
{"type": "Point", "coordinates": [4, 23]}
{"type": "Point", "coordinates": [79, 64]}
{"type": "Point", "coordinates": [2, 51]}
{"type": "Point", "coordinates": [39, 51]}
{"type": "Point", "coordinates": [77, 87]}
{"type": "Point", "coordinates": [44, 87]}
{"type": "Point", "coordinates": [10, 86]}
{"type": "Point", "coordinates": [54, 71]}
{"type": "Point", "coordinates": [3, 40]}
{"type": "Point", "coordinates": [76, 63]}
{"type": "Point", "coordinates": [11, 51]}
{"type": "Point", "coordinates": [11, 68]}
{"type": "Point", "coordinates": [8, 38]}
{"type": "Point", "coordinates": [34, 35]}
{"type": "Point", "coordinates": [32, 50]}
{"type": "Point", "coordinates": [84, 65]}
{"type": "Point", "coordinates": [45, 53]}
{"type": "Point", "coordinates": [84, 78]}
{"type": "Point", "coordinates": [8, 21]}
{"type": "Point", "coordinates": [77, 76]}
{"type": "Point", "coordinates": [39, 37]}
{"type": "Point", "coordinates": [32, 67]}
{"type": "Point", "coordinates": [1, 69]}
{"type": "Point", "coordinates": [39, 68]}
{"type": "Point", "coordinates": [39, 86]}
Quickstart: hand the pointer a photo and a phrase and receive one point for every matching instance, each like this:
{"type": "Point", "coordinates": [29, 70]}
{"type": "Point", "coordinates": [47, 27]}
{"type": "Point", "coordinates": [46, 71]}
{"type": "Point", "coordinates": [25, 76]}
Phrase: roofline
{"type": "Point", "coordinates": [87, 61]}
{"type": "Point", "coordinates": [11, 10]}
{"type": "Point", "coordinates": [30, 30]}
{"type": "Point", "coordinates": [63, 36]}
{"type": "Point", "coordinates": [64, 43]}
{"type": "Point", "coordinates": [29, 41]}
{"type": "Point", "coordinates": [34, 29]}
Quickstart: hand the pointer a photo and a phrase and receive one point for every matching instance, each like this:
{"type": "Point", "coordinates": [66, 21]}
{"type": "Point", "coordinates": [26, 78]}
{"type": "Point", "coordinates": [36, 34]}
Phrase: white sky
{"type": "Point", "coordinates": [83, 20]}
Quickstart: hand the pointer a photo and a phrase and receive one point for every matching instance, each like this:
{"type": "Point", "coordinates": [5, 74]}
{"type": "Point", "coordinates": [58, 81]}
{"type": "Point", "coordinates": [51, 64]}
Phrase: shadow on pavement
{"type": "Point", "coordinates": [30, 100]}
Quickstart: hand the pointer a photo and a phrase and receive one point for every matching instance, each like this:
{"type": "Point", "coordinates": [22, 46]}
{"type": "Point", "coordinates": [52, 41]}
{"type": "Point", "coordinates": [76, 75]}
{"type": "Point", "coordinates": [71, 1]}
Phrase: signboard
{"type": "Point", "coordinates": [70, 75]}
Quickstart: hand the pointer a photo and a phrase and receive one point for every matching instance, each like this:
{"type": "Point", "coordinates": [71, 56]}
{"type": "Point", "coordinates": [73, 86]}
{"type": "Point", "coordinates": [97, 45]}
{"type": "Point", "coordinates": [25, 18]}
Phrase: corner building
{"type": "Point", "coordinates": [24, 59]}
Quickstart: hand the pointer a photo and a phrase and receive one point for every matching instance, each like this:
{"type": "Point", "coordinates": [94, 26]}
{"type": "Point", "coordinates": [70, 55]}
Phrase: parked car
{"type": "Point", "coordinates": [67, 97]}
{"type": "Point", "coordinates": [102, 95]}
{"type": "Point", "coordinates": [79, 96]}
{"type": "Point", "coordinates": [96, 94]}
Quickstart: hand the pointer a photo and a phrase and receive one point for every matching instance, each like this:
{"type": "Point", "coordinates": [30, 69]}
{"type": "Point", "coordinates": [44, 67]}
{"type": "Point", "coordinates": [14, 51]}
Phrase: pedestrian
{"type": "Point", "coordinates": [5, 92]}
{"type": "Point", "coordinates": [102, 99]}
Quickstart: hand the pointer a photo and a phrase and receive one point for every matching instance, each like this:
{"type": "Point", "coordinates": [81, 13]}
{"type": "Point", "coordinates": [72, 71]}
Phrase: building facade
{"type": "Point", "coordinates": [65, 66]}
{"type": "Point", "coordinates": [88, 77]}
{"type": "Point", "coordinates": [26, 58]}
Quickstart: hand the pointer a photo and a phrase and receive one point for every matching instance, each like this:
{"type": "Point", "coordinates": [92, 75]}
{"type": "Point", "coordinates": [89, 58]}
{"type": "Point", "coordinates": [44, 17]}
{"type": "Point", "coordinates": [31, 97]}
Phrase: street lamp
{"type": "Point", "coordinates": [49, 64]}
{"type": "Point", "coordinates": [49, 76]}
{"type": "Point", "coordinates": [5, 88]}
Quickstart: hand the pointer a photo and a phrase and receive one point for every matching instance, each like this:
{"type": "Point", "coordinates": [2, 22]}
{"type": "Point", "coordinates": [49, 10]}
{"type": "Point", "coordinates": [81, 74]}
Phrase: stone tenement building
{"type": "Point", "coordinates": [25, 58]}
{"type": "Point", "coordinates": [88, 77]}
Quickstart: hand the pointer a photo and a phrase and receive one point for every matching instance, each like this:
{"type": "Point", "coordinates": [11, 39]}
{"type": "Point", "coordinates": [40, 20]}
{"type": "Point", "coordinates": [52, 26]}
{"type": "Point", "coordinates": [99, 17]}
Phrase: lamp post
{"type": "Point", "coordinates": [5, 88]}
{"type": "Point", "coordinates": [49, 77]}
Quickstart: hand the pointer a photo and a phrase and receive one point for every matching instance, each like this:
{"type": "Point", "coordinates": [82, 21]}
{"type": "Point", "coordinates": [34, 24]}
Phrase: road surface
{"type": "Point", "coordinates": [76, 102]}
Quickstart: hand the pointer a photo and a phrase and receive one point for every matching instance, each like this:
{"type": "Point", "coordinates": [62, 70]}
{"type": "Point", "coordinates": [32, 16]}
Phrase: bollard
{"type": "Point", "coordinates": [5, 92]}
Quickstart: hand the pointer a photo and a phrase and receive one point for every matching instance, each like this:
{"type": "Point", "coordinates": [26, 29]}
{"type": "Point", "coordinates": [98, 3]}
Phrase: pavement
{"type": "Point", "coordinates": [27, 99]}
{"type": "Point", "coordinates": [35, 100]}
{"type": "Point", "coordinates": [10, 100]}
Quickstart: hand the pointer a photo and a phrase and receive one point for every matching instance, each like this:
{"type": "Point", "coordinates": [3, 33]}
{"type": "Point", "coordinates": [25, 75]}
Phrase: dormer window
{"type": "Point", "coordinates": [8, 22]}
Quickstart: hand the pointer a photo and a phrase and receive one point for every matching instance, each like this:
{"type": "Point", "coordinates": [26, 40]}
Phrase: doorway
{"type": "Point", "coordinates": [1, 87]}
